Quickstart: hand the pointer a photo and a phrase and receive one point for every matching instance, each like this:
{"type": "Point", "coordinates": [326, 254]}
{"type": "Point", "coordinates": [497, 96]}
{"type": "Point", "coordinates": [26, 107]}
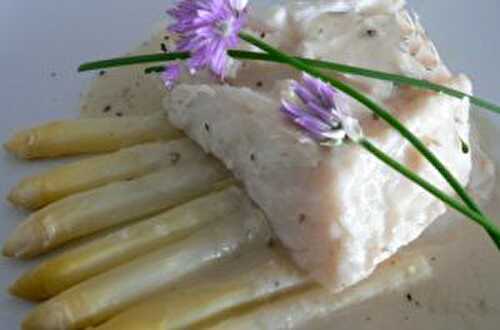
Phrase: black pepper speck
{"type": "Point", "coordinates": [464, 146]}
{"type": "Point", "coordinates": [270, 243]}
{"type": "Point", "coordinates": [174, 157]}
{"type": "Point", "coordinates": [483, 306]}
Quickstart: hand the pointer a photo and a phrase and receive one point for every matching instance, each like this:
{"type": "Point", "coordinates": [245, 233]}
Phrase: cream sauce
{"type": "Point", "coordinates": [464, 283]}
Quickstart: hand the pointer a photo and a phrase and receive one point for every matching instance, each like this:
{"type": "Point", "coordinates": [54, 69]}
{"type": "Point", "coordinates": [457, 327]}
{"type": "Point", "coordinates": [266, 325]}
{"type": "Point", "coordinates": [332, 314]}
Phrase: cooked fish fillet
{"type": "Point", "coordinates": [339, 211]}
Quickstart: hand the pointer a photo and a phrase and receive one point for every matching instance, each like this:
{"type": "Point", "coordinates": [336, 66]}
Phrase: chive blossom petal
{"type": "Point", "coordinates": [170, 75]}
{"type": "Point", "coordinates": [207, 29]}
{"type": "Point", "coordinates": [323, 112]}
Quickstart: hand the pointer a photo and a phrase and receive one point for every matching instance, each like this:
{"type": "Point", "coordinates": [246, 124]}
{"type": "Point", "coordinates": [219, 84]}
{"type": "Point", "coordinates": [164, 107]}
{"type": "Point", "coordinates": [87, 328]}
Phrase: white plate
{"type": "Point", "coordinates": [42, 43]}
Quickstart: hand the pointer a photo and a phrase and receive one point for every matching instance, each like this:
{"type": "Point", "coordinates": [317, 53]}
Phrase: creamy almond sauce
{"type": "Point", "coordinates": [461, 254]}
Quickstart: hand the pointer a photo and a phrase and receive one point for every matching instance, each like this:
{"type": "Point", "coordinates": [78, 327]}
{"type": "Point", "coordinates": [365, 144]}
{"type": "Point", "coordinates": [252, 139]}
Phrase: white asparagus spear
{"type": "Point", "coordinates": [296, 309]}
{"type": "Point", "coordinates": [99, 298]}
{"type": "Point", "coordinates": [89, 212]}
{"type": "Point", "coordinates": [36, 191]}
{"type": "Point", "coordinates": [254, 280]}
{"type": "Point", "coordinates": [95, 257]}
{"type": "Point", "coordinates": [92, 135]}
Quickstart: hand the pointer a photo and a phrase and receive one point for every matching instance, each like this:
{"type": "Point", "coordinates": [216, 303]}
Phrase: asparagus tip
{"type": "Point", "coordinates": [29, 288]}
{"type": "Point", "coordinates": [20, 144]}
{"type": "Point", "coordinates": [46, 316]}
{"type": "Point", "coordinates": [26, 195]}
{"type": "Point", "coordinates": [24, 242]}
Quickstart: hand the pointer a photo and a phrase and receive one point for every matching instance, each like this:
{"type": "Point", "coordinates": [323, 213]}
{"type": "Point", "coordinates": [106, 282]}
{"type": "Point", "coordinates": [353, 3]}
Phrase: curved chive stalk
{"type": "Point", "coordinates": [489, 226]}
{"type": "Point", "coordinates": [322, 114]}
{"type": "Point", "coordinates": [382, 113]}
{"type": "Point", "coordinates": [380, 75]}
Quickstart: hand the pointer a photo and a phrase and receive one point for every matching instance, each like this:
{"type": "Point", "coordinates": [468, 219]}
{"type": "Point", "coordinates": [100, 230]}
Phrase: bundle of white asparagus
{"type": "Point", "coordinates": [152, 233]}
{"type": "Point", "coordinates": [182, 219]}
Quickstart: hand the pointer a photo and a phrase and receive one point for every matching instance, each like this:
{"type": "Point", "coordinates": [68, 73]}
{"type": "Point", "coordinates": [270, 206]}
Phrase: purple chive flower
{"type": "Point", "coordinates": [207, 29]}
{"type": "Point", "coordinates": [323, 112]}
{"type": "Point", "coordinates": [171, 74]}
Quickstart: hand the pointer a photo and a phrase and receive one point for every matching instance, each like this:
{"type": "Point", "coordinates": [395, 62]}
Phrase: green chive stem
{"type": "Point", "coordinates": [377, 109]}
{"type": "Point", "coordinates": [489, 226]}
{"type": "Point", "coordinates": [154, 69]}
{"type": "Point", "coordinates": [132, 60]}
{"type": "Point", "coordinates": [380, 75]}
{"type": "Point", "coordinates": [343, 68]}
